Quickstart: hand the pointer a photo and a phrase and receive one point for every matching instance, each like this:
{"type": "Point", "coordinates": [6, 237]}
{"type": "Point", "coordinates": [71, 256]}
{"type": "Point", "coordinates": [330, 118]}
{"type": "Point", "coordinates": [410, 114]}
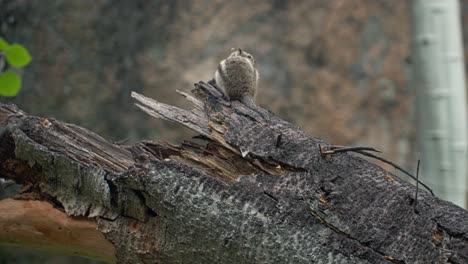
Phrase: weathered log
{"type": "Point", "coordinates": [251, 188]}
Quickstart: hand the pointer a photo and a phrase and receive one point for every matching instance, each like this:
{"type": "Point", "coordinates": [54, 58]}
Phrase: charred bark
{"type": "Point", "coordinates": [251, 188]}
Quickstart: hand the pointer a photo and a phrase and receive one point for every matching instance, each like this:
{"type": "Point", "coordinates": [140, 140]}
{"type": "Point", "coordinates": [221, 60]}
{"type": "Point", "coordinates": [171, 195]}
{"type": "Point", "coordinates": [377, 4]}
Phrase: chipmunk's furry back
{"type": "Point", "coordinates": [237, 76]}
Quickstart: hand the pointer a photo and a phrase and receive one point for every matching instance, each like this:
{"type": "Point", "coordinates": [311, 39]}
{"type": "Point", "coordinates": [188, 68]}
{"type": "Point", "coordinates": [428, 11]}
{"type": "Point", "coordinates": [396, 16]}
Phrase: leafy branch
{"type": "Point", "coordinates": [17, 56]}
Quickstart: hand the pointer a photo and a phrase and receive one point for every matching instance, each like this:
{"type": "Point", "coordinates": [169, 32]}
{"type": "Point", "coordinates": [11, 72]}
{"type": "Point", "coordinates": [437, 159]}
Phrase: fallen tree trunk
{"type": "Point", "coordinates": [251, 189]}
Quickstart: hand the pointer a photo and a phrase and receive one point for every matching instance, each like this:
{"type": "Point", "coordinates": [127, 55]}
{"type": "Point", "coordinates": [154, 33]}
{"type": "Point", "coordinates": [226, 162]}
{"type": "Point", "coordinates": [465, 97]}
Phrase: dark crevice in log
{"type": "Point", "coordinates": [211, 157]}
{"type": "Point", "coordinates": [28, 175]}
{"type": "Point", "coordinates": [269, 195]}
{"type": "Point", "coordinates": [142, 198]}
{"type": "Point", "coordinates": [21, 172]}
{"type": "Point", "coordinates": [113, 191]}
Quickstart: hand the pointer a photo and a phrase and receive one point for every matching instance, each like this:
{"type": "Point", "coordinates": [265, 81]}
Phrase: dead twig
{"type": "Point", "coordinates": [396, 167]}
{"type": "Point", "coordinates": [332, 149]}
{"type": "Point", "coordinates": [417, 183]}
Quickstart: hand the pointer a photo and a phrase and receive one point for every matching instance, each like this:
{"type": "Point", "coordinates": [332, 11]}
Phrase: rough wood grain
{"type": "Point", "coordinates": [252, 189]}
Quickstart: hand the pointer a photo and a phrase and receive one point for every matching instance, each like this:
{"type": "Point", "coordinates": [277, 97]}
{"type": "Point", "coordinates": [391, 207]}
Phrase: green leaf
{"type": "Point", "coordinates": [10, 83]}
{"type": "Point", "coordinates": [18, 56]}
{"type": "Point", "coordinates": [4, 45]}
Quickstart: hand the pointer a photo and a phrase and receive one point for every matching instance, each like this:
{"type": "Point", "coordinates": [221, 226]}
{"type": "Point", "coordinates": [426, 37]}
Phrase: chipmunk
{"type": "Point", "coordinates": [237, 76]}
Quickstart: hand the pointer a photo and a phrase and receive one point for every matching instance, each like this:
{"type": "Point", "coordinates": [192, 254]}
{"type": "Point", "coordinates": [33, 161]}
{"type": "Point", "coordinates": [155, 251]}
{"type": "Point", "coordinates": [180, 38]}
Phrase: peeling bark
{"type": "Point", "coordinates": [251, 189]}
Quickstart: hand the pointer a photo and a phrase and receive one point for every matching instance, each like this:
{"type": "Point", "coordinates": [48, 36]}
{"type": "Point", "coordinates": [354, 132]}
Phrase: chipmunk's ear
{"type": "Point", "coordinates": [233, 49]}
{"type": "Point", "coordinates": [240, 51]}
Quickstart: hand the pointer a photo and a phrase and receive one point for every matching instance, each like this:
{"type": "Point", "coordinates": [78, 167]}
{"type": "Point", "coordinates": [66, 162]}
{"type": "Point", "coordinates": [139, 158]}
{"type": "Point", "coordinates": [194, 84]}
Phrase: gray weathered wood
{"type": "Point", "coordinates": [236, 195]}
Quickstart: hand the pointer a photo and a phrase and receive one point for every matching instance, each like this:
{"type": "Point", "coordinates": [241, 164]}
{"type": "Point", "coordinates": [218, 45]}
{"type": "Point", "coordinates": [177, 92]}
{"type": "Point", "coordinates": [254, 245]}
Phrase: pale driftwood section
{"type": "Point", "coordinates": [37, 224]}
{"type": "Point", "coordinates": [252, 189]}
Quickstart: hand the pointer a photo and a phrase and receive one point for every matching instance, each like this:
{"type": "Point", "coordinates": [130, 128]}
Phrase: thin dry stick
{"type": "Point", "coordinates": [332, 149]}
{"type": "Point", "coordinates": [395, 166]}
{"type": "Point", "coordinates": [417, 183]}
{"type": "Point", "coordinates": [344, 149]}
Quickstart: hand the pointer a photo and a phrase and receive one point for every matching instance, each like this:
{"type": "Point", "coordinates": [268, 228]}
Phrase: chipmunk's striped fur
{"type": "Point", "coordinates": [237, 76]}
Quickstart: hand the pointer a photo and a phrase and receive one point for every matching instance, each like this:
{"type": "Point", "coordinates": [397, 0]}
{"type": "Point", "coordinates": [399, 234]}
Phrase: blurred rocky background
{"type": "Point", "coordinates": [339, 69]}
